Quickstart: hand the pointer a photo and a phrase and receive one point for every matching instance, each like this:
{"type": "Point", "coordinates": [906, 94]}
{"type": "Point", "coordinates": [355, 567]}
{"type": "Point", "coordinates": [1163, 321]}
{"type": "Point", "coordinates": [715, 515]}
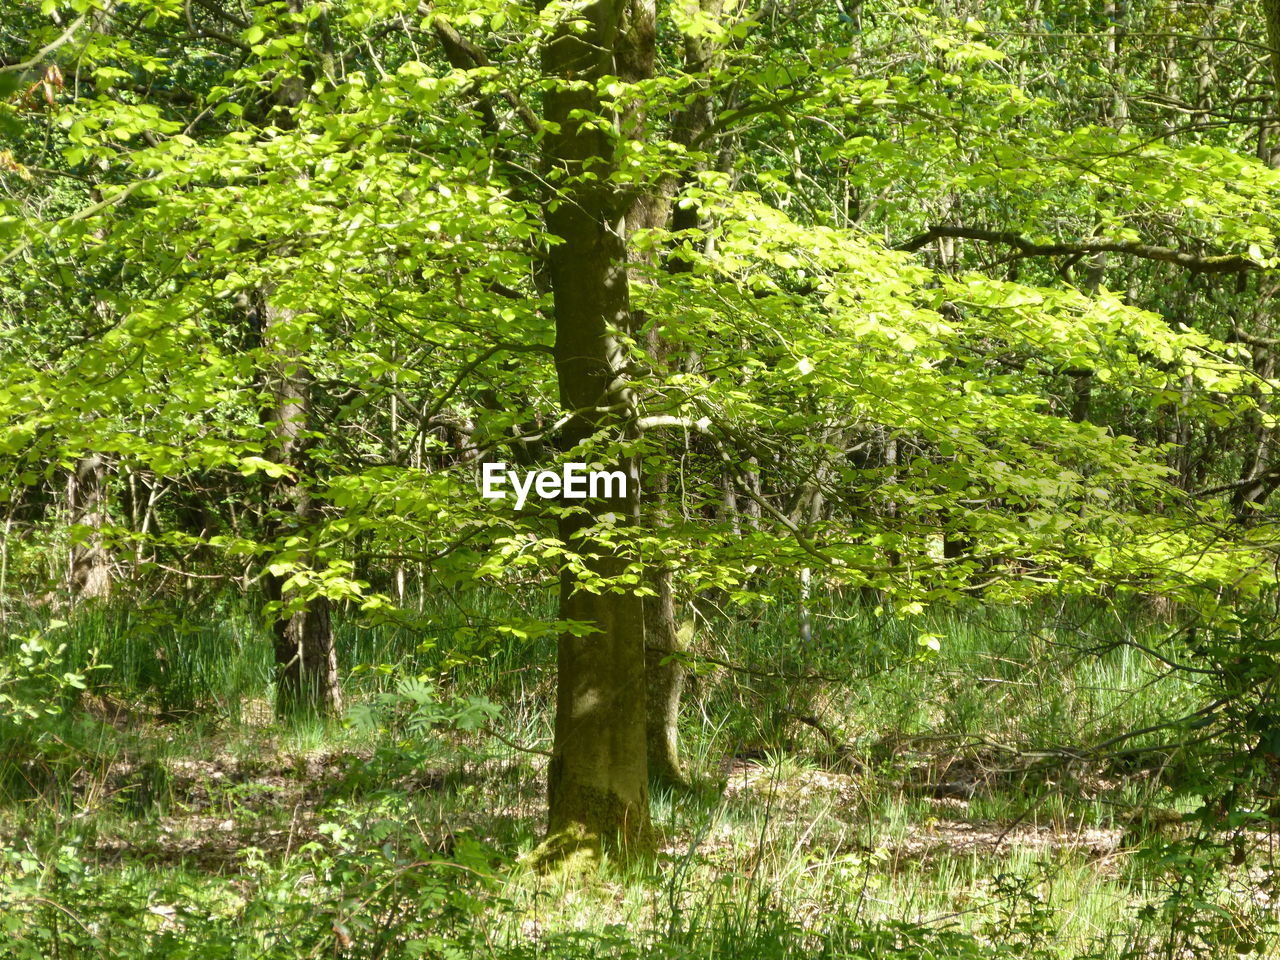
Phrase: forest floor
{"type": "Point", "coordinates": [934, 808]}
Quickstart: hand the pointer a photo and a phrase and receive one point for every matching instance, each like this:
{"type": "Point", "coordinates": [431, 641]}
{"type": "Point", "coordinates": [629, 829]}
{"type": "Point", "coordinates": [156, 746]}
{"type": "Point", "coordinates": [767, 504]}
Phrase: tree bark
{"type": "Point", "coordinates": [666, 682]}
{"type": "Point", "coordinates": [598, 778]}
{"type": "Point", "coordinates": [664, 641]}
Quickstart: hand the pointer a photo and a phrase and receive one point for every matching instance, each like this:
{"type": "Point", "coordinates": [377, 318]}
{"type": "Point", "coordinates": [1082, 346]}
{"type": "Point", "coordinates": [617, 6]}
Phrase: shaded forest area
{"type": "Point", "coordinates": [937, 616]}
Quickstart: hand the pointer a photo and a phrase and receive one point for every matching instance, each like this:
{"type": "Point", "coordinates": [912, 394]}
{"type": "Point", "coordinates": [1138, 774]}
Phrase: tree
{"type": "Point", "coordinates": [598, 779]}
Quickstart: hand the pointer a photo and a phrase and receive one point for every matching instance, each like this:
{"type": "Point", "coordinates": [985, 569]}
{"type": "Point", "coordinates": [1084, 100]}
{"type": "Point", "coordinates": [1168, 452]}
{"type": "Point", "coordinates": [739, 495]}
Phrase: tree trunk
{"type": "Point", "coordinates": [306, 659]}
{"type": "Point", "coordinates": [90, 565]}
{"type": "Point", "coordinates": [305, 656]}
{"type": "Point", "coordinates": [665, 685]}
{"type": "Point", "coordinates": [598, 778]}
{"type": "Point", "coordinates": [1257, 482]}
{"type": "Point", "coordinates": [651, 210]}
{"type": "Point", "coordinates": [1271, 9]}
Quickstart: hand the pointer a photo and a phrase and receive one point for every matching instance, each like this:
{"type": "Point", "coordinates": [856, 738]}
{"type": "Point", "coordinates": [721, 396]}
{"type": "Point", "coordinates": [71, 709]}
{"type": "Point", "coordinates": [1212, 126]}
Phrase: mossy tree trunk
{"type": "Point", "coordinates": [598, 777]}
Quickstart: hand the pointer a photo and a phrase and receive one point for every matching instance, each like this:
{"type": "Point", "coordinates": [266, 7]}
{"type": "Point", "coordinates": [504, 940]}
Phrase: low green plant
{"type": "Point", "coordinates": [417, 705]}
{"type": "Point", "coordinates": [35, 693]}
{"type": "Point", "coordinates": [33, 685]}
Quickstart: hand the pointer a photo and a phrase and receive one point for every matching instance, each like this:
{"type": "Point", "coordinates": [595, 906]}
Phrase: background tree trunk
{"type": "Point", "coordinates": [89, 572]}
{"type": "Point", "coordinates": [665, 680]}
{"type": "Point", "coordinates": [305, 656]}
{"type": "Point", "coordinates": [651, 210]}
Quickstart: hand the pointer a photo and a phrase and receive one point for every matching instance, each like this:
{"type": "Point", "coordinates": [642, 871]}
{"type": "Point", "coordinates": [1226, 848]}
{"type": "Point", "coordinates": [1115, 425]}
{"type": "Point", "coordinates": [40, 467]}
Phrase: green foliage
{"type": "Point", "coordinates": [275, 857]}
{"type": "Point", "coordinates": [371, 887]}
{"type": "Point", "coordinates": [33, 688]}
{"type": "Point", "coordinates": [39, 746]}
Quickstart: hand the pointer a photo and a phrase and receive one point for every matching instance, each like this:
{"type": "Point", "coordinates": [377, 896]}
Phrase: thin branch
{"type": "Point", "coordinates": [513, 745]}
{"type": "Point", "coordinates": [48, 48]}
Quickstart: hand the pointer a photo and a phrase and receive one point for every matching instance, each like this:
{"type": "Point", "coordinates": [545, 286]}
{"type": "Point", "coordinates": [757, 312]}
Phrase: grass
{"type": "Point", "coordinates": [930, 804]}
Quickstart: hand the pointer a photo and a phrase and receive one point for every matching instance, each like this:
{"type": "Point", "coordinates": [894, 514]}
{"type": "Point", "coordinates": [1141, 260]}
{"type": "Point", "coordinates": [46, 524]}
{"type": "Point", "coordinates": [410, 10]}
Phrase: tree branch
{"type": "Point", "coordinates": [463, 54]}
{"type": "Point", "coordinates": [1226, 263]}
